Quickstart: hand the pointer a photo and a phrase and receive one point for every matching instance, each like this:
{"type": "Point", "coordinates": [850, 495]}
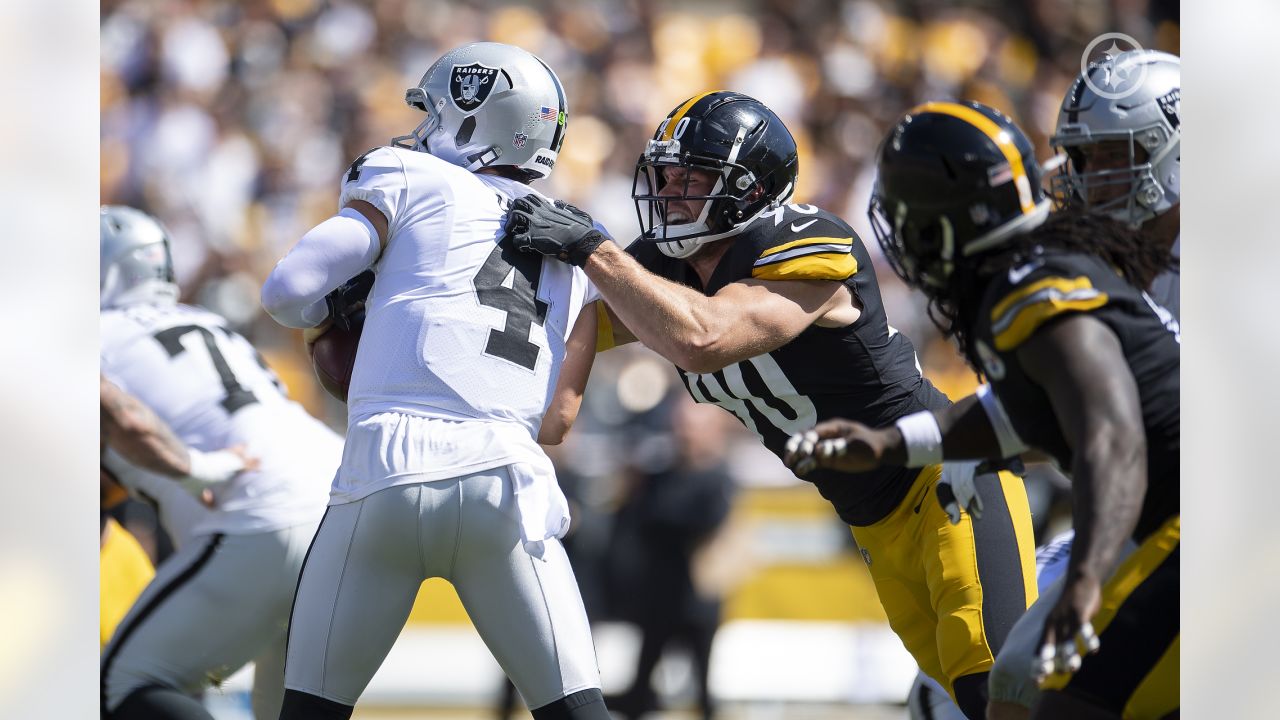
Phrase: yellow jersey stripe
{"type": "Point", "coordinates": [1022, 311]}
{"type": "Point", "coordinates": [676, 116]}
{"type": "Point", "coordinates": [1061, 284]}
{"type": "Point", "coordinates": [604, 328]}
{"type": "Point", "coordinates": [997, 135]}
{"type": "Point", "coordinates": [819, 266]}
{"type": "Point", "coordinates": [1033, 315]}
{"type": "Point", "coordinates": [807, 241]}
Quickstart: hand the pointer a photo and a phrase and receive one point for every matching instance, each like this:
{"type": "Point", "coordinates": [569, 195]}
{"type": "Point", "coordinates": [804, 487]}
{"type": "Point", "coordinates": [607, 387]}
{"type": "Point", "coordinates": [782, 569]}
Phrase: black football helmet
{"type": "Point", "coordinates": [733, 136]}
{"type": "Point", "coordinates": [954, 181]}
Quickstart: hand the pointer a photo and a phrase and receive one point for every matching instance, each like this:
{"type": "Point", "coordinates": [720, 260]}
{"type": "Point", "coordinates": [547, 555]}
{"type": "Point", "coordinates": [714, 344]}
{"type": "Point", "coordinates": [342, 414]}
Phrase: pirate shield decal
{"type": "Point", "coordinates": [470, 85]}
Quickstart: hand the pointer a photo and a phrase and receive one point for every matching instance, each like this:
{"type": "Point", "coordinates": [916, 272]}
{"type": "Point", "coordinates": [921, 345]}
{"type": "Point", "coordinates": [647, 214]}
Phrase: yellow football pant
{"type": "Point", "coordinates": [953, 592]}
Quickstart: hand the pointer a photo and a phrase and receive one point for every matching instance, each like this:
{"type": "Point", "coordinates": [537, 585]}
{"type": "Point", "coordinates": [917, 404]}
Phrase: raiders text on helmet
{"type": "Point", "coordinates": [737, 139]}
{"type": "Point", "coordinates": [1146, 121]}
{"type": "Point", "coordinates": [954, 180]}
{"type": "Point", "coordinates": [490, 105]}
{"type": "Point", "coordinates": [135, 263]}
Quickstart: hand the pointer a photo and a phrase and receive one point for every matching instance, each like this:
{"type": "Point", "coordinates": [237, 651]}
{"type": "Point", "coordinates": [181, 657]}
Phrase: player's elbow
{"type": "Point", "coordinates": [555, 428]}
{"type": "Point", "coordinates": [702, 352]}
{"type": "Point", "coordinates": [283, 299]}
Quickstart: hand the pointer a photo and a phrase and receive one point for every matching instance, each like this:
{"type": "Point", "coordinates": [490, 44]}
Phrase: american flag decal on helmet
{"type": "Point", "coordinates": [546, 113]}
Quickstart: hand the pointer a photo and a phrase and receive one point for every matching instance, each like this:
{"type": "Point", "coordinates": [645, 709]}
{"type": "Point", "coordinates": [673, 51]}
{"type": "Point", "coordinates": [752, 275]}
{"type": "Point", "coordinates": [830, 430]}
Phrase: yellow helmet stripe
{"type": "Point", "coordinates": [669, 129]}
{"type": "Point", "coordinates": [998, 136]}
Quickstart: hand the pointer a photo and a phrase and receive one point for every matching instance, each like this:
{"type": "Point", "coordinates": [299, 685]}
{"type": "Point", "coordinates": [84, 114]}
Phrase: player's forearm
{"type": "Point", "coordinates": [580, 353]}
{"type": "Point", "coordinates": [327, 256]}
{"type": "Point", "coordinates": [675, 321]}
{"type": "Point", "coordinates": [1108, 486]}
{"type": "Point", "coordinates": [141, 437]}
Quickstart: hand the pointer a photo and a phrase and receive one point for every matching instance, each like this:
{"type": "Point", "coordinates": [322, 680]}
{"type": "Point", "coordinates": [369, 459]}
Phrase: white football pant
{"type": "Point", "coordinates": [370, 557]}
{"type": "Point", "coordinates": [214, 605]}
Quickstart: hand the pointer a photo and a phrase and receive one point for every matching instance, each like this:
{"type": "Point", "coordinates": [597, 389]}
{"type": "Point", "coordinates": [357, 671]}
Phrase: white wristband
{"type": "Point", "coordinates": [212, 468]}
{"type": "Point", "coordinates": [922, 439]}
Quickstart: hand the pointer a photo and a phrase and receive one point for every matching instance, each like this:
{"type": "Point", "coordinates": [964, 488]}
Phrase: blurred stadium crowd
{"type": "Point", "coordinates": [232, 122]}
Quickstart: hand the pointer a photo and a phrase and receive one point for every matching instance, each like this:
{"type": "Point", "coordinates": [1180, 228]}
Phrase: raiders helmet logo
{"type": "Point", "coordinates": [470, 85]}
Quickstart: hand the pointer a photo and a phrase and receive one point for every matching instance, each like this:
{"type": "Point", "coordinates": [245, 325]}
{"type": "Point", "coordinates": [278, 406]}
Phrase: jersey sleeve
{"type": "Point", "coordinates": [1031, 294]}
{"type": "Point", "coordinates": [807, 249]}
{"type": "Point", "coordinates": [378, 178]}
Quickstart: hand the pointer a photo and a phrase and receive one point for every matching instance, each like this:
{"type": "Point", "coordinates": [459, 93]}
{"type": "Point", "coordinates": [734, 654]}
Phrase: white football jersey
{"type": "Point", "coordinates": [460, 328]}
{"type": "Point", "coordinates": [214, 390]}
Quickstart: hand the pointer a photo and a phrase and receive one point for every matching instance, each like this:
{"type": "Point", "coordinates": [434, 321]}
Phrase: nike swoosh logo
{"type": "Point", "coordinates": [1016, 274]}
{"type": "Point", "coordinates": [797, 227]}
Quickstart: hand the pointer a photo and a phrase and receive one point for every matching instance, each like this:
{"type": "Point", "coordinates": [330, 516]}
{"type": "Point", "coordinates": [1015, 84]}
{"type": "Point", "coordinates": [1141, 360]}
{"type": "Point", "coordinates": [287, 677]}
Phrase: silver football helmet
{"type": "Point", "coordinates": [490, 104]}
{"type": "Point", "coordinates": [135, 264]}
{"type": "Point", "coordinates": [1146, 120]}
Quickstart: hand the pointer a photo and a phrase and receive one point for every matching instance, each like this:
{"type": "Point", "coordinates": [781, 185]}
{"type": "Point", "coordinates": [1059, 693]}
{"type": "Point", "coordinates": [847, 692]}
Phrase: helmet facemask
{"type": "Point", "coordinates": [735, 199]}
{"type": "Point", "coordinates": [419, 139]}
{"type": "Point", "coordinates": [1129, 193]}
{"type": "Point", "coordinates": [922, 254]}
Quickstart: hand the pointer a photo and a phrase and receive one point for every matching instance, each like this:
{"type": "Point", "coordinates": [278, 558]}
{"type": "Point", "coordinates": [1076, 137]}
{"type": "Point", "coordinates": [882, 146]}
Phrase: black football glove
{"type": "Point", "coordinates": [559, 230]}
{"type": "Point", "coordinates": [346, 302]}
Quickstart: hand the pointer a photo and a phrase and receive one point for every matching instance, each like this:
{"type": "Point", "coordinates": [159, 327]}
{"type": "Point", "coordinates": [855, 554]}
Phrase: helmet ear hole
{"type": "Point", "coordinates": [463, 136]}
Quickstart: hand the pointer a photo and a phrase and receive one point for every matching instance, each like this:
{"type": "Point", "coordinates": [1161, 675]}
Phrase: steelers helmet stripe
{"type": "Point", "coordinates": [669, 128]}
{"type": "Point", "coordinates": [998, 136]}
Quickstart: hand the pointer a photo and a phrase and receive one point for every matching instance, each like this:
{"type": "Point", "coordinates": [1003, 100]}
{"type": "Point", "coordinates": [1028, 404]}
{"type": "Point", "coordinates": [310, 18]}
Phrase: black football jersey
{"type": "Point", "coordinates": [866, 371]}
{"type": "Point", "coordinates": [1052, 284]}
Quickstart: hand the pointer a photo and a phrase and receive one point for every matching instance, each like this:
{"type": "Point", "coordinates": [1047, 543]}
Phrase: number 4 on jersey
{"type": "Point", "coordinates": [508, 281]}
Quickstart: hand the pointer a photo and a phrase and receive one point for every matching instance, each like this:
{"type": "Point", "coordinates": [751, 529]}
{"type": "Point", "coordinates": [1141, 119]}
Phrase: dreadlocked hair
{"type": "Point", "coordinates": [1138, 260]}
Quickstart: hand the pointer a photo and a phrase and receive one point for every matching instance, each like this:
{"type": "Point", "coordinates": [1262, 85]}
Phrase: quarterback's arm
{"type": "Point", "coordinates": [327, 256]}
{"type": "Point", "coordinates": [1079, 363]}
{"type": "Point", "coordinates": [700, 333]}
{"type": "Point", "coordinates": [579, 355]}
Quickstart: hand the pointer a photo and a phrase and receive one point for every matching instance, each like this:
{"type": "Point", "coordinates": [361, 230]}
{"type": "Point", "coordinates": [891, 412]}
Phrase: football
{"type": "Point", "coordinates": [333, 355]}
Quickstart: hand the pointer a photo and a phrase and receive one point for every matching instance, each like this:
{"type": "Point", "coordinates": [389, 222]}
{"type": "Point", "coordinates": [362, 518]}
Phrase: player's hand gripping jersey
{"type": "Point", "coordinates": [1052, 284]}
{"type": "Point", "coordinates": [214, 389]}
{"type": "Point", "coordinates": [460, 326]}
{"type": "Point", "coordinates": [867, 371]}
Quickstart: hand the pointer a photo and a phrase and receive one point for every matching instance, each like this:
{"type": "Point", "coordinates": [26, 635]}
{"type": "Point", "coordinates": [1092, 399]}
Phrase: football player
{"type": "Point", "coordinates": [223, 598]}
{"type": "Point", "coordinates": [471, 354]}
{"type": "Point", "coordinates": [1125, 153]}
{"type": "Point", "coordinates": [1124, 156]}
{"type": "Point", "coordinates": [1083, 366]}
{"type": "Point", "coordinates": [772, 311]}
